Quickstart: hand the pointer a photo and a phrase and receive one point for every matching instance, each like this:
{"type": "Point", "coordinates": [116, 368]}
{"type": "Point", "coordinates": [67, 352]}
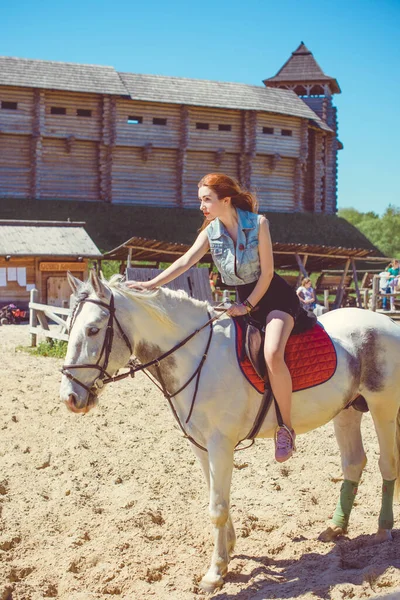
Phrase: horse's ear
{"type": "Point", "coordinates": [98, 286]}
{"type": "Point", "coordinates": [74, 282]}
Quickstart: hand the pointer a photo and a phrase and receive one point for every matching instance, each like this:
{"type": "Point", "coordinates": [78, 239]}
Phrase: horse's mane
{"type": "Point", "coordinates": [158, 300]}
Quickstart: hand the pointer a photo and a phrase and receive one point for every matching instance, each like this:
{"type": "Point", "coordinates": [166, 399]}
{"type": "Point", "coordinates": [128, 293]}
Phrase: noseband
{"type": "Point", "coordinates": [105, 350]}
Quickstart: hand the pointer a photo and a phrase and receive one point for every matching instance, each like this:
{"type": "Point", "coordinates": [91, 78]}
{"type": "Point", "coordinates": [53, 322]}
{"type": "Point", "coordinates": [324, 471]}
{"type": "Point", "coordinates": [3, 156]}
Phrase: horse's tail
{"type": "Point", "coordinates": [397, 485]}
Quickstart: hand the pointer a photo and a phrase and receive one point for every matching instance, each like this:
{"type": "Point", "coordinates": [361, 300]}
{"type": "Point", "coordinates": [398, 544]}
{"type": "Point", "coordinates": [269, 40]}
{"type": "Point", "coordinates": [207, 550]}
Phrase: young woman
{"type": "Point", "coordinates": [306, 294]}
{"type": "Point", "coordinates": [240, 244]}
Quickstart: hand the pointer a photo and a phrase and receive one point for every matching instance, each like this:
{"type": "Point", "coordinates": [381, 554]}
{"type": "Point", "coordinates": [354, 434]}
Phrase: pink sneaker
{"type": "Point", "coordinates": [284, 443]}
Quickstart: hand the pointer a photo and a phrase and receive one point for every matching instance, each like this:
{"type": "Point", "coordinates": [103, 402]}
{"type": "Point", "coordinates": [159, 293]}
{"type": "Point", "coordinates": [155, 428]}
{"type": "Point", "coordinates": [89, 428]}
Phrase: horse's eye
{"type": "Point", "coordinates": [93, 330]}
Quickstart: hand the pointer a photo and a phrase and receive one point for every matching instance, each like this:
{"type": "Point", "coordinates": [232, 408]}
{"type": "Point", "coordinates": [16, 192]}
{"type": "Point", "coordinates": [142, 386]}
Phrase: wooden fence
{"type": "Point", "coordinates": [39, 316]}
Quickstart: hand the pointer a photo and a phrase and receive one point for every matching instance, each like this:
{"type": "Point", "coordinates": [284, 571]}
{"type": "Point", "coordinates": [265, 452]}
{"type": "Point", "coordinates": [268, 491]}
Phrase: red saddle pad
{"type": "Point", "coordinates": [310, 357]}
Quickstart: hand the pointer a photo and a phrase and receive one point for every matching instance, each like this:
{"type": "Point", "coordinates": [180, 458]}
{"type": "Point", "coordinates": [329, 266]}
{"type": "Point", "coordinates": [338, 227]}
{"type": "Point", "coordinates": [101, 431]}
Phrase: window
{"type": "Point", "coordinates": [286, 132]}
{"type": "Point", "coordinates": [224, 127]}
{"type": "Point", "coordinates": [9, 105]}
{"type": "Point", "coordinates": [83, 112]}
{"type": "Point", "coordinates": [134, 120]}
{"type": "Point", "coordinates": [158, 121]}
{"type": "Point", "coordinates": [268, 130]}
{"type": "Point", "coordinates": [58, 110]}
{"type": "Point", "coordinates": [202, 126]}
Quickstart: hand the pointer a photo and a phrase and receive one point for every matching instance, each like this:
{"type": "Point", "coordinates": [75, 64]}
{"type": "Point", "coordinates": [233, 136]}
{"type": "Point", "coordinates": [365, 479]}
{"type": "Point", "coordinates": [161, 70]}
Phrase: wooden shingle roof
{"type": "Point", "coordinates": [302, 67]}
{"type": "Point", "coordinates": [219, 94]}
{"type": "Point", "coordinates": [44, 238]}
{"type": "Point", "coordinates": [60, 76]}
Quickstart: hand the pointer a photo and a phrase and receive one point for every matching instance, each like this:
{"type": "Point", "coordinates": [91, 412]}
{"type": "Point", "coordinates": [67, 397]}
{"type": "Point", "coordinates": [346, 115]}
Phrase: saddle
{"type": "Point", "coordinates": [310, 355]}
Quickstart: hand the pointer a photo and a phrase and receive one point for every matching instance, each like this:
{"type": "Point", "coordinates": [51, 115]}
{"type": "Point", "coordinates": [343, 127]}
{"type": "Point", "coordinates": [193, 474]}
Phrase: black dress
{"type": "Point", "coordinates": [279, 296]}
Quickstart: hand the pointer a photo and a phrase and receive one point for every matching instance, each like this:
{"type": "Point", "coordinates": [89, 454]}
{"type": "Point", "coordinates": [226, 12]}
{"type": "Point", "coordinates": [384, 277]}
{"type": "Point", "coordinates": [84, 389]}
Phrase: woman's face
{"type": "Point", "coordinates": [395, 264]}
{"type": "Point", "coordinates": [210, 205]}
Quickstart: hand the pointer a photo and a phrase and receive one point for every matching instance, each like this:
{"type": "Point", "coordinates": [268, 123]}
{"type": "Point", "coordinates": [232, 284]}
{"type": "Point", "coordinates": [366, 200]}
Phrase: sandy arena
{"type": "Point", "coordinates": [113, 503]}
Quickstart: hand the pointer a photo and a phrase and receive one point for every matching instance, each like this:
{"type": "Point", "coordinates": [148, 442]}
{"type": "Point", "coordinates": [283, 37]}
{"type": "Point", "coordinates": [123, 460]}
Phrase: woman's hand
{"type": "Point", "coordinates": [237, 310]}
{"type": "Point", "coordinates": [140, 285]}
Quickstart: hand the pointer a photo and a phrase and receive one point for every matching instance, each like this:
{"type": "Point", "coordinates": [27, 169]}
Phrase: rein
{"type": "Point", "coordinates": [135, 366]}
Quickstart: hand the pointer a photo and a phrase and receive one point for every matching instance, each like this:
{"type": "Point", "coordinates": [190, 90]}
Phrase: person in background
{"type": "Point", "coordinates": [306, 294]}
{"type": "Point", "coordinates": [393, 269]}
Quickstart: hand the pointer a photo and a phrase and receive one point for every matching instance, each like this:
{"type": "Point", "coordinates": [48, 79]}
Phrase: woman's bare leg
{"type": "Point", "coordinates": [277, 331]}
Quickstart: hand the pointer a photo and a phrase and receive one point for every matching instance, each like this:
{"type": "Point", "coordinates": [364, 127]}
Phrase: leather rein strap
{"type": "Point", "coordinates": [135, 366]}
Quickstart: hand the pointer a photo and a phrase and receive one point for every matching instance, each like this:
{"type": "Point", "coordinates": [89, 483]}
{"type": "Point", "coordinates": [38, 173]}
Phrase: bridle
{"type": "Point", "coordinates": [105, 350]}
{"type": "Point", "coordinates": [135, 365]}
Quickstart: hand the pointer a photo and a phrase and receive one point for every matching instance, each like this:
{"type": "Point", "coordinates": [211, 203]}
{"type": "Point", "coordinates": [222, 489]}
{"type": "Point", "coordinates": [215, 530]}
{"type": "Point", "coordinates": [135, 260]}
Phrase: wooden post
{"type": "Point", "coordinates": [302, 267]}
{"type": "Point", "coordinates": [365, 298]}
{"type": "Point", "coordinates": [359, 302]}
{"type": "Point", "coordinates": [375, 292]}
{"type": "Point", "coordinates": [129, 260]}
{"type": "Point", "coordinates": [340, 290]}
{"type": "Point", "coordinates": [326, 299]}
{"type": "Point", "coordinates": [33, 320]}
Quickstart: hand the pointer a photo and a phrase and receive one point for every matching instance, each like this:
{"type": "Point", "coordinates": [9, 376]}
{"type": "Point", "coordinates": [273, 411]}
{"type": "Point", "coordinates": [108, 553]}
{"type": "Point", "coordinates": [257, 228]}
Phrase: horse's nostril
{"type": "Point", "coordinates": [71, 402]}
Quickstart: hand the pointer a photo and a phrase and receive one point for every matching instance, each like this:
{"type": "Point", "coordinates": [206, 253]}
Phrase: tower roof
{"type": "Point", "coordinates": [302, 67]}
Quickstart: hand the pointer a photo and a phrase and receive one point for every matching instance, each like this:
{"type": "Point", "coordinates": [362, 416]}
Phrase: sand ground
{"type": "Point", "coordinates": [113, 504]}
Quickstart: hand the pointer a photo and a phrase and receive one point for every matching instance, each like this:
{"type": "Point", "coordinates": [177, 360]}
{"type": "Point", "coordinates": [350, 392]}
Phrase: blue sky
{"type": "Point", "coordinates": [357, 42]}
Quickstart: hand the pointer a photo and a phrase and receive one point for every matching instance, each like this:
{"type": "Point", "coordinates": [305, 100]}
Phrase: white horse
{"type": "Point", "coordinates": [151, 323]}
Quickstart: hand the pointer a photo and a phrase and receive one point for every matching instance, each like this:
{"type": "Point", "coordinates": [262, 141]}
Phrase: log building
{"type": "Point", "coordinates": [85, 132]}
{"type": "Point", "coordinates": [38, 254]}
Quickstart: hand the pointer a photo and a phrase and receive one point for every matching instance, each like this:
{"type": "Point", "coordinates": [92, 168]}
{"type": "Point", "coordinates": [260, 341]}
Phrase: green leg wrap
{"type": "Point", "coordinates": [386, 514]}
{"type": "Point", "coordinates": [348, 492]}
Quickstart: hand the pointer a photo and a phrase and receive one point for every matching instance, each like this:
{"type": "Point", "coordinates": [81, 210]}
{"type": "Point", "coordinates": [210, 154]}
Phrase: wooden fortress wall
{"type": "Point", "coordinates": [81, 146]}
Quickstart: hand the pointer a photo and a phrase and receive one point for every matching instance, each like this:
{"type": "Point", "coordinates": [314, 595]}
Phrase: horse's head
{"type": "Point", "coordinates": [97, 345]}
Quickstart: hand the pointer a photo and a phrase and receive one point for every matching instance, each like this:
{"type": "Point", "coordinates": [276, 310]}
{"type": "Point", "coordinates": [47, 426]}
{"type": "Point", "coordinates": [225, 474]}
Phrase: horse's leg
{"type": "Point", "coordinates": [220, 457]}
{"type": "Point", "coordinates": [230, 530]}
{"type": "Point", "coordinates": [348, 435]}
{"type": "Point", "coordinates": [387, 424]}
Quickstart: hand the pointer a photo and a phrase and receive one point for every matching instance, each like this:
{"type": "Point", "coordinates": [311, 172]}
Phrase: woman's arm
{"type": "Point", "coordinates": [266, 263]}
{"type": "Point", "coordinates": [267, 270]}
{"type": "Point", "coordinates": [182, 264]}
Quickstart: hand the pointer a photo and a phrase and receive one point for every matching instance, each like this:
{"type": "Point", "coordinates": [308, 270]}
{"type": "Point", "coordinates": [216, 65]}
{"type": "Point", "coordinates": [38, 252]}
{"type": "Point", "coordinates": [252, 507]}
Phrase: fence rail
{"type": "Point", "coordinates": [39, 316]}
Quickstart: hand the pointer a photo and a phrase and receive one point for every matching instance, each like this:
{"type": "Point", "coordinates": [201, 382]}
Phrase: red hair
{"type": "Point", "coordinates": [227, 187]}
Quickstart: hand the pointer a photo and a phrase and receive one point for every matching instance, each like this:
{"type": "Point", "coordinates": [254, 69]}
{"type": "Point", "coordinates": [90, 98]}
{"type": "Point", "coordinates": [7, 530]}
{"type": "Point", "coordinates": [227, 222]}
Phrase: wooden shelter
{"type": "Point", "coordinates": [38, 254]}
{"type": "Point", "coordinates": [85, 132]}
{"type": "Point", "coordinates": [314, 258]}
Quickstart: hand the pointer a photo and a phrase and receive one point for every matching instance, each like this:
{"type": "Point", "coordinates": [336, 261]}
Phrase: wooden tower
{"type": "Point", "coordinates": [302, 74]}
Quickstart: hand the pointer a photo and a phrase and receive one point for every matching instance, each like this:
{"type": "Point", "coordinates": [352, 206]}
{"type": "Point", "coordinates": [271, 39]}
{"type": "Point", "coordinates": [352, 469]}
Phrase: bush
{"type": "Point", "coordinates": [55, 349]}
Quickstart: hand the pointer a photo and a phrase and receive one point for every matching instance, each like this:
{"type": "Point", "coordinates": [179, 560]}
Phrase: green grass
{"type": "Point", "coordinates": [55, 349]}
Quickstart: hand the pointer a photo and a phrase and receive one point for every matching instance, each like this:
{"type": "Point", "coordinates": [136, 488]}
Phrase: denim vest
{"type": "Point", "coordinates": [238, 265]}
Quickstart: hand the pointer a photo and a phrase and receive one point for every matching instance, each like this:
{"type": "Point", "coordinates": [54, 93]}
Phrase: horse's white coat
{"type": "Point", "coordinates": [368, 353]}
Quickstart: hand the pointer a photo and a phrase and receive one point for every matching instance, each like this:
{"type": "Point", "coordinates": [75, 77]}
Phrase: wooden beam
{"type": "Point", "coordinates": [36, 148]}
{"type": "Point", "coordinates": [355, 278]}
{"type": "Point", "coordinates": [182, 151]}
{"type": "Point", "coordinates": [302, 269]}
{"type": "Point", "coordinates": [340, 291]}
{"type": "Point", "coordinates": [302, 264]}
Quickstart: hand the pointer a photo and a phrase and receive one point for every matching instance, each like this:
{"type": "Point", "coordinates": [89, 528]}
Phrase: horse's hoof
{"type": "Point", "coordinates": [383, 535]}
{"type": "Point", "coordinates": [331, 533]}
{"type": "Point", "coordinates": [209, 585]}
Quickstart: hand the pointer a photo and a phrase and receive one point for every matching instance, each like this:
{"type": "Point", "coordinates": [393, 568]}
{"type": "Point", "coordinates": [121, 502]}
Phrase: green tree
{"type": "Point", "coordinates": [383, 232]}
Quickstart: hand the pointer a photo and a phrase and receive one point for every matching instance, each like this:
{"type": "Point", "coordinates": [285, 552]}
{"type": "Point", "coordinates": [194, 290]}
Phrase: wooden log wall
{"type": "Point", "coordinates": [17, 288]}
{"type": "Point", "coordinates": [16, 291]}
{"type": "Point", "coordinates": [94, 147]}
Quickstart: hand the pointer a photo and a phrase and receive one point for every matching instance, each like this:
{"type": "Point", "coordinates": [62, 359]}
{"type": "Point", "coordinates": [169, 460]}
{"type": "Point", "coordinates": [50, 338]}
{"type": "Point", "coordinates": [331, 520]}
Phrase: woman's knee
{"type": "Point", "coordinates": [274, 358]}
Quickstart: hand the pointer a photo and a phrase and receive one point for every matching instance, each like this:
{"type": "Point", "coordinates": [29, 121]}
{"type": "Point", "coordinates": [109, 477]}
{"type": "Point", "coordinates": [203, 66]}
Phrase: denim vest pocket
{"type": "Point", "coordinates": [216, 247]}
